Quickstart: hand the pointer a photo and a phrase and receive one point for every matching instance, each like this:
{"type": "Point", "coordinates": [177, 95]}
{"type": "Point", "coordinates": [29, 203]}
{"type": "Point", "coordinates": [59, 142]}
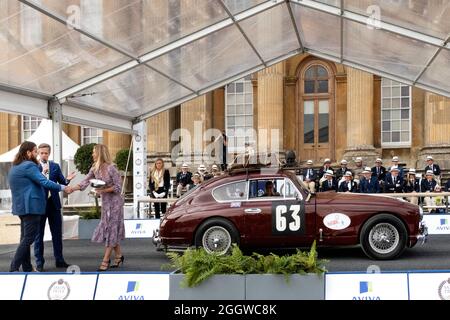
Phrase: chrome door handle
{"type": "Point", "coordinates": [253, 210]}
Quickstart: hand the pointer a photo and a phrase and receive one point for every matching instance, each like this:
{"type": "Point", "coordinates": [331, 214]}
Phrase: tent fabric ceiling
{"type": "Point", "coordinates": [135, 58]}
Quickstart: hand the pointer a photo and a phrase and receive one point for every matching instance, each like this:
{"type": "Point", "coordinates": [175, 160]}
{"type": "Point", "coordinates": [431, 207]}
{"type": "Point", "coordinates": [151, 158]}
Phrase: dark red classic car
{"type": "Point", "coordinates": [258, 209]}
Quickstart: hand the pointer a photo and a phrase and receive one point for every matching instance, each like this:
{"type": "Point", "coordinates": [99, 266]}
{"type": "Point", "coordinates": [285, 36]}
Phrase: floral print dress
{"type": "Point", "coordinates": [111, 228]}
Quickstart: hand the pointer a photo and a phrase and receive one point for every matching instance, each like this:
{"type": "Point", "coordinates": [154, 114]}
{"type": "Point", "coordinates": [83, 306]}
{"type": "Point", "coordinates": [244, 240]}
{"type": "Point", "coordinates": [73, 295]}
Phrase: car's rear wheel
{"type": "Point", "coordinates": [216, 235]}
{"type": "Point", "coordinates": [383, 237]}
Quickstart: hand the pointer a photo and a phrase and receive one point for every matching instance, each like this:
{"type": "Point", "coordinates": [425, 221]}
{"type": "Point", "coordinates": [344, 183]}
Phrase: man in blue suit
{"type": "Point", "coordinates": [28, 200]}
{"type": "Point", "coordinates": [52, 172]}
{"type": "Point", "coordinates": [369, 183]}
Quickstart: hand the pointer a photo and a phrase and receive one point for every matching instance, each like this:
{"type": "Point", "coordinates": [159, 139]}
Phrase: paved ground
{"type": "Point", "coordinates": [140, 255]}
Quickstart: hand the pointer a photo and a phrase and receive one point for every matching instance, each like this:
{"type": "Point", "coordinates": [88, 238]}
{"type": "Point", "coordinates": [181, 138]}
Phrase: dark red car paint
{"type": "Point", "coordinates": [180, 224]}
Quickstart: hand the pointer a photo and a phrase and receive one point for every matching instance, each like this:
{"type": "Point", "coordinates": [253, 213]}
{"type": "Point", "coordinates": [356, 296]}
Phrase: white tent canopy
{"type": "Point", "coordinates": [137, 58]}
{"type": "Point", "coordinates": [43, 134]}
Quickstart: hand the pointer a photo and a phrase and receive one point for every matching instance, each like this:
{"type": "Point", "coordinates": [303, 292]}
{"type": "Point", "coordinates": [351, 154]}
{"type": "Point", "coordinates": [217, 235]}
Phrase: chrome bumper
{"type": "Point", "coordinates": [423, 230]}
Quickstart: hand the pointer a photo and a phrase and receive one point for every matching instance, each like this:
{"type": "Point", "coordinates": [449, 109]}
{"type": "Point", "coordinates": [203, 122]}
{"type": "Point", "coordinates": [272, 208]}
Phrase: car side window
{"type": "Point", "coordinates": [231, 192]}
{"type": "Point", "coordinates": [266, 188]}
{"type": "Point", "coordinates": [291, 191]}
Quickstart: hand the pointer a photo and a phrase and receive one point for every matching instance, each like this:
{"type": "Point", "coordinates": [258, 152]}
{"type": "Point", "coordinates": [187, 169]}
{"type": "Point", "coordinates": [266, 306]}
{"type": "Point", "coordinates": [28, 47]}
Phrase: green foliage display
{"type": "Point", "coordinates": [83, 158]}
{"type": "Point", "coordinates": [197, 265]}
{"type": "Point", "coordinates": [122, 158]}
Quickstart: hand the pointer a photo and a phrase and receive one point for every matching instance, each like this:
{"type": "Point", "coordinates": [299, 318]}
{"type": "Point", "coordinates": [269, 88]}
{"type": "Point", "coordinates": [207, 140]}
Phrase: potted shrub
{"type": "Point", "coordinates": [203, 276]}
{"type": "Point", "coordinates": [89, 219]}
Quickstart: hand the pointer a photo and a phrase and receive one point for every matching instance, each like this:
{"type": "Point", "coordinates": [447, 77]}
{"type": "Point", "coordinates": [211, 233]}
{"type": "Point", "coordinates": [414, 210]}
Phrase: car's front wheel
{"type": "Point", "coordinates": [216, 235]}
{"type": "Point", "coordinates": [383, 237]}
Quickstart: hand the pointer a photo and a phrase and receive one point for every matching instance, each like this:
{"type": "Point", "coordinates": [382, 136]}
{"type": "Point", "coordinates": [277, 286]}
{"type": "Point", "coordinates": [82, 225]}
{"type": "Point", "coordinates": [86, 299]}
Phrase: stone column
{"type": "Point", "coordinates": [159, 130]}
{"type": "Point", "coordinates": [4, 132]}
{"type": "Point", "coordinates": [360, 117]}
{"type": "Point", "coordinates": [270, 107]}
{"type": "Point", "coordinates": [195, 120]}
{"type": "Point", "coordinates": [436, 132]}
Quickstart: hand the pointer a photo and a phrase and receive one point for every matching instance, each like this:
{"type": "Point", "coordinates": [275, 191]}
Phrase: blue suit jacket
{"type": "Point", "coordinates": [27, 189]}
{"type": "Point", "coordinates": [55, 175]}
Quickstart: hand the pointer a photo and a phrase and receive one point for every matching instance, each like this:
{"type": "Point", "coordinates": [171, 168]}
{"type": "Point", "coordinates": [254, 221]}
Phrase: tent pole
{"type": "Point", "coordinates": [140, 164]}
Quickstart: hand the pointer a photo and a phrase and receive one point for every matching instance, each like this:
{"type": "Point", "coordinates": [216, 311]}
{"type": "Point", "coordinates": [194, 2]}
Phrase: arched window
{"type": "Point", "coordinates": [316, 97]}
{"type": "Point", "coordinates": [316, 80]}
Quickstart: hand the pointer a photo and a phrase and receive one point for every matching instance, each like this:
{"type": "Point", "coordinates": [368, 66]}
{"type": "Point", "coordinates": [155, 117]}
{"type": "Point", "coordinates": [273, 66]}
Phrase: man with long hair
{"type": "Point", "coordinates": [111, 229]}
{"type": "Point", "coordinates": [28, 200]}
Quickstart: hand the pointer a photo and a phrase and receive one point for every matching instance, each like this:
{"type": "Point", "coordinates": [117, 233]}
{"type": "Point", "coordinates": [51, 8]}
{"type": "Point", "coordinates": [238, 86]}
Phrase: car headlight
{"type": "Point", "coordinates": [421, 213]}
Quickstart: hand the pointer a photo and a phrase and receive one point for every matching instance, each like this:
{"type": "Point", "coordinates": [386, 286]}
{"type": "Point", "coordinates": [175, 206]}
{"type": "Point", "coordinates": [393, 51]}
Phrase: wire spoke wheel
{"type": "Point", "coordinates": [384, 238]}
{"type": "Point", "coordinates": [216, 239]}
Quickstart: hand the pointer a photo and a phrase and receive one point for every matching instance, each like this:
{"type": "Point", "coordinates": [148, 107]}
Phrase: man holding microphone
{"type": "Point", "coordinates": [52, 172]}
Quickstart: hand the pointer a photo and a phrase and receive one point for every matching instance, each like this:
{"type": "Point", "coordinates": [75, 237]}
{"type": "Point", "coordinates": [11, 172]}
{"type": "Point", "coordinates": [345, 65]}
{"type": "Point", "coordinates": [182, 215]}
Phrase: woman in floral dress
{"type": "Point", "coordinates": [111, 229]}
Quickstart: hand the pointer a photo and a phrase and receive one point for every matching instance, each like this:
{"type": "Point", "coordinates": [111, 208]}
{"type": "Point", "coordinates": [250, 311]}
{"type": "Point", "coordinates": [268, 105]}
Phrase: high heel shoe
{"type": "Point", "coordinates": [104, 266]}
{"type": "Point", "coordinates": [118, 261]}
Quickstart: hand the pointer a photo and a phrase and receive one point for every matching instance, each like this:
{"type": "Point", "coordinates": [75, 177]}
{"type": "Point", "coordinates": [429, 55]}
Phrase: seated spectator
{"type": "Point", "coordinates": [434, 168]}
{"type": "Point", "coordinates": [411, 186]}
{"type": "Point", "coordinates": [215, 171]}
{"type": "Point", "coordinates": [393, 182]}
{"type": "Point", "coordinates": [196, 180]}
{"type": "Point", "coordinates": [348, 185]}
{"type": "Point", "coordinates": [368, 183]}
{"type": "Point", "coordinates": [447, 186]}
{"type": "Point", "coordinates": [310, 176]}
{"type": "Point", "coordinates": [379, 172]}
{"type": "Point", "coordinates": [342, 170]}
{"type": "Point", "coordinates": [329, 184]}
{"type": "Point", "coordinates": [428, 185]}
{"type": "Point", "coordinates": [183, 180]}
{"type": "Point", "coordinates": [358, 170]}
{"type": "Point", "coordinates": [270, 192]}
{"type": "Point", "coordinates": [326, 167]}
{"type": "Point", "coordinates": [201, 171]}
{"type": "Point", "coordinates": [439, 201]}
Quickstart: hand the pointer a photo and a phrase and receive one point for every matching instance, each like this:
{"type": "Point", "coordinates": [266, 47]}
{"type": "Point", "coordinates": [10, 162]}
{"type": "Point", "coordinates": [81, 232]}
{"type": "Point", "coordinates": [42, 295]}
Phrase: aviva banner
{"type": "Point", "coordinates": [437, 223]}
{"type": "Point", "coordinates": [366, 286]}
{"type": "Point", "coordinates": [137, 286]}
{"type": "Point", "coordinates": [140, 228]}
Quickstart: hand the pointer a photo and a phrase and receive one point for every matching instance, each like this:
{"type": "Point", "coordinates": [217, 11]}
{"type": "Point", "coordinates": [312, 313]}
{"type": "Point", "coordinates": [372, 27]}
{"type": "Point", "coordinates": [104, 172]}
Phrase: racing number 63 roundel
{"type": "Point", "coordinates": [288, 217]}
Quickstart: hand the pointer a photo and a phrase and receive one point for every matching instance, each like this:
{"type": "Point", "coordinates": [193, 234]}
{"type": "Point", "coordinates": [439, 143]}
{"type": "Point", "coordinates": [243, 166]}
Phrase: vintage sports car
{"type": "Point", "coordinates": [273, 209]}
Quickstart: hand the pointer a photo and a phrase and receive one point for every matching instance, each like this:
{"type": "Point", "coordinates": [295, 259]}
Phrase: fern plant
{"type": "Point", "coordinates": [197, 265]}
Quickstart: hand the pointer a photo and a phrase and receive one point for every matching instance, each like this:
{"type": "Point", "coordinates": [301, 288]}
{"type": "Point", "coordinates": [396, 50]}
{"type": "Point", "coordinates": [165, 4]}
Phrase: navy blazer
{"type": "Point", "coordinates": [369, 187]}
{"type": "Point", "coordinates": [436, 170]}
{"type": "Point", "coordinates": [313, 177]}
{"type": "Point", "coordinates": [344, 187]}
{"type": "Point", "coordinates": [55, 175]}
{"type": "Point", "coordinates": [380, 176]}
{"type": "Point", "coordinates": [428, 186]}
{"type": "Point", "coordinates": [447, 186]}
{"type": "Point", "coordinates": [390, 187]}
{"type": "Point", "coordinates": [27, 189]}
{"type": "Point", "coordinates": [326, 187]}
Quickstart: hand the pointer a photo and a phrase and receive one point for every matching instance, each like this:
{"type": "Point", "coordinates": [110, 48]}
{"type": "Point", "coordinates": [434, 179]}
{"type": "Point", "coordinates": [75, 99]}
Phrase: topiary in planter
{"type": "Point", "coordinates": [83, 158]}
{"type": "Point", "coordinates": [122, 159]}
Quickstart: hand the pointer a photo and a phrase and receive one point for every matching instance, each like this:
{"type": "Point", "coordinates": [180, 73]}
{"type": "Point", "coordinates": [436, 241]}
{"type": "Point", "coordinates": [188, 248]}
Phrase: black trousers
{"type": "Point", "coordinates": [55, 223]}
{"type": "Point", "coordinates": [29, 226]}
{"type": "Point", "coordinates": [160, 207]}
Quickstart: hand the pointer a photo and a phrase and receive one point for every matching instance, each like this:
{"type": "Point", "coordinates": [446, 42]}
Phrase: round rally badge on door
{"type": "Point", "coordinates": [337, 221]}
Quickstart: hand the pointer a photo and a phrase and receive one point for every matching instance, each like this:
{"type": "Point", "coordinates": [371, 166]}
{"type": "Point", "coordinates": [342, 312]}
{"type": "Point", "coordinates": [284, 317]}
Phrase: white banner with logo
{"type": "Point", "coordinates": [11, 286]}
{"type": "Point", "coordinates": [437, 223]}
{"type": "Point", "coordinates": [133, 287]}
{"type": "Point", "coordinates": [140, 228]}
{"type": "Point", "coordinates": [60, 287]}
{"type": "Point", "coordinates": [429, 286]}
{"type": "Point", "coordinates": [366, 286]}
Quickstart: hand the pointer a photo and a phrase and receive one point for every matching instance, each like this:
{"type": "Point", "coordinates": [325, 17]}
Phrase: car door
{"type": "Point", "coordinates": [279, 220]}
